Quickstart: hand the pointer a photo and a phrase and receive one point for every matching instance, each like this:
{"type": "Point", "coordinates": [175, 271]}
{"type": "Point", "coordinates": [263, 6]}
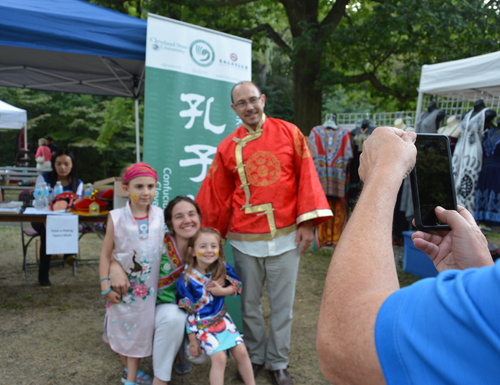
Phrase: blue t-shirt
{"type": "Point", "coordinates": [443, 330]}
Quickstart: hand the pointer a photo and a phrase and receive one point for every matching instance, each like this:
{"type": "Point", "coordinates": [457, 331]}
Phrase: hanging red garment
{"type": "Point", "coordinates": [328, 233]}
{"type": "Point", "coordinates": [331, 151]}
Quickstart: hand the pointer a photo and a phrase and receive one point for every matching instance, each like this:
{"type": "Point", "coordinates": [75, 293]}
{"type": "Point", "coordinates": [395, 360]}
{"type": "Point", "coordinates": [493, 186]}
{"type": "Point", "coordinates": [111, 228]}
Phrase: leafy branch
{"type": "Point", "coordinates": [260, 28]}
{"type": "Point", "coordinates": [372, 78]}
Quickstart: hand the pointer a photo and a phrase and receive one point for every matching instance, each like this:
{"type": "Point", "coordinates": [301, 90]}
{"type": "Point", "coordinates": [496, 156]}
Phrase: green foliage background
{"type": "Point", "coordinates": [309, 56]}
{"type": "Point", "coordinates": [99, 131]}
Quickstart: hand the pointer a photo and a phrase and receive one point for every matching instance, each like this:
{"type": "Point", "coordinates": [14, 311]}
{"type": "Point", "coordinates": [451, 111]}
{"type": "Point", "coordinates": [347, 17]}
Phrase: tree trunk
{"type": "Point", "coordinates": [307, 97]}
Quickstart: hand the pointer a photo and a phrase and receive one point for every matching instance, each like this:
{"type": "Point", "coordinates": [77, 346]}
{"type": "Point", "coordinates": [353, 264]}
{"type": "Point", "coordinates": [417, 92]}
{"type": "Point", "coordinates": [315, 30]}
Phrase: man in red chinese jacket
{"type": "Point", "coordinates": [262, 193]}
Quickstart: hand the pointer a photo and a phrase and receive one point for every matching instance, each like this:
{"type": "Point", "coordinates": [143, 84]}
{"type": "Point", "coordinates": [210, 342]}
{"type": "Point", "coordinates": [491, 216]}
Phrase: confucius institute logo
{"type": "Point", "coordinates": [202, 53]}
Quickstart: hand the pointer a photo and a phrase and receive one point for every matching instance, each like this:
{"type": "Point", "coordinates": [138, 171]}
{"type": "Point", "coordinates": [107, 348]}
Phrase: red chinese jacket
{"type": "Point", "coordinates": [262, 184]}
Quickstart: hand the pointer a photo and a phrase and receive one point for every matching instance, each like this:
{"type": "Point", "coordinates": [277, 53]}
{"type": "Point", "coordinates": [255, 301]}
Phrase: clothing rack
{"type": "Point", "coordinates": [459, 104]}
{"type": "Point", "coordinates": [353, 120]}
{"type": "Point", "coordinates": [457, 84]}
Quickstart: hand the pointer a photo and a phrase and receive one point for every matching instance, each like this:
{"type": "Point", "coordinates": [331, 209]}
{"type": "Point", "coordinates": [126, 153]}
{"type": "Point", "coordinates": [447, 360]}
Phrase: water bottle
{"type": "Point", "coordinates": [40, 202]}
{"type": "Point", "coordinates": [58, 189]}
{"type": "Point", "coordinates": [46, 194]}
{"type": "Point", "coordinates": [88, 191]}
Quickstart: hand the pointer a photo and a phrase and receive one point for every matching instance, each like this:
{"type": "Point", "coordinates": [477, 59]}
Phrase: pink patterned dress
{"type": "Point", "coordinates": [129, 325]}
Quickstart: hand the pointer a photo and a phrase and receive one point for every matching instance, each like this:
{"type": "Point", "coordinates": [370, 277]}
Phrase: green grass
{"type": "Point", "coordinates": [493, 238]}
{"type": "Point", "coordinates": [65, 323]}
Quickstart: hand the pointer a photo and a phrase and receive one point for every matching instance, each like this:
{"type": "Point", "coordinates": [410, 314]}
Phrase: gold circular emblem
{"type": "Point", "coordinates": [262, 169]}
{"type": "Point", "coordinates": [213, 168]}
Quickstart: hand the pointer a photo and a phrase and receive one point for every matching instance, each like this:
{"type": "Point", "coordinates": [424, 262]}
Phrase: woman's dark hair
{"type": "Point", "coordinates": [73, 174]}
{"type": "Point", "coordinates": [217, 268]}
{"type": "Point", "coordinates": [170, 208]}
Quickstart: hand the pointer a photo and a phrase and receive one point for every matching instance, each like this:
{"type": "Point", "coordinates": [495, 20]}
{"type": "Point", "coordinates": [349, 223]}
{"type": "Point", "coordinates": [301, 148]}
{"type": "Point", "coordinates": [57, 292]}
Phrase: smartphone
{"type": "Point", "coordinates": [432, 182]}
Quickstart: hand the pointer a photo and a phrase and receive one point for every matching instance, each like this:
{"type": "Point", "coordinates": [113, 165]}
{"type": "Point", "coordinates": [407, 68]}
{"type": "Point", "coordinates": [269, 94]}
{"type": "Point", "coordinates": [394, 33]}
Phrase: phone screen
{"type": "Point", "coordinates": [434, 177]}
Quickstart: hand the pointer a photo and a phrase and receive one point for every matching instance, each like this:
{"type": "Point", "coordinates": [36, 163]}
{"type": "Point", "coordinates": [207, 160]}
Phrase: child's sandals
{"type": "Point", "coordinates": [141, 379]}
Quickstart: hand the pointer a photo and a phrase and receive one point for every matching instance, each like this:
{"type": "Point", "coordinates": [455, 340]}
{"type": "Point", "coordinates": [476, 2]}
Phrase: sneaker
{"type": "Point", "coordinates": [141, 379]}
{"type": "Point", "coordinates": [183, 368]}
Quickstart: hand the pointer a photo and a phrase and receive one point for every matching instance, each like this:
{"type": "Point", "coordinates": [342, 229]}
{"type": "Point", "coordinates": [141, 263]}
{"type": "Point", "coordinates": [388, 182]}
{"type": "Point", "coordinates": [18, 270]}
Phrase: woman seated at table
{"type": "Point", "coordinates": [63, 171]}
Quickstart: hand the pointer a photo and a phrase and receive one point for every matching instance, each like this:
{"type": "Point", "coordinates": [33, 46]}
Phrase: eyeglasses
{"type": "Point", "coordinates": [253, 101]}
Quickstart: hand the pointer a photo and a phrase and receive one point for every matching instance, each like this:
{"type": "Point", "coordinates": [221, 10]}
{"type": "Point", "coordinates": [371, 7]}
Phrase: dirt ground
{"type": "Point", "coordinates": [53, 336]}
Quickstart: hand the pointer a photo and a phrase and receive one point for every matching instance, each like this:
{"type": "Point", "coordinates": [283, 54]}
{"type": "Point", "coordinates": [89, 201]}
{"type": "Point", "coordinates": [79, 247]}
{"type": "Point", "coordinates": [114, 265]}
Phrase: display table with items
{"type": "Point", "coordinates": [84, 216]}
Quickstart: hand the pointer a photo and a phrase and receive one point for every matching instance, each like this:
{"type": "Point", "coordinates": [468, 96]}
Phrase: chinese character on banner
{"type": "Point", "coordinates": [203, 151]}
{"type": "Point", "coordinates": [194, 100]}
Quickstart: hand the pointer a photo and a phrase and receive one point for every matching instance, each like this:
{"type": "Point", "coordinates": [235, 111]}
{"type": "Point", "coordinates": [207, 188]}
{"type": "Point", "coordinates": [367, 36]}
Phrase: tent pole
{"type": "Point", "coordinates": [25, 157]}
{"type": "Point", "coordinates": [25, 138]}
{"type": "Point", "coordinates": [419, 104]}
{"type": "Point", "coordinates": [137, 138]}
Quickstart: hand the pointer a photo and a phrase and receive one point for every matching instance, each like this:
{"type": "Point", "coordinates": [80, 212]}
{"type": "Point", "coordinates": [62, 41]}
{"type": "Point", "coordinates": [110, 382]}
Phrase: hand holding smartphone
{"type": "Point", "coordinates": [432, 182]}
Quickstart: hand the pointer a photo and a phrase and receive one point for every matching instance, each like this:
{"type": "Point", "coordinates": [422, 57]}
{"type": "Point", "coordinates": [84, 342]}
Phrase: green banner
{"type": "Point", "coordinates": [190, 72]}
{"type": "Point", "coordinates": [182, 131]}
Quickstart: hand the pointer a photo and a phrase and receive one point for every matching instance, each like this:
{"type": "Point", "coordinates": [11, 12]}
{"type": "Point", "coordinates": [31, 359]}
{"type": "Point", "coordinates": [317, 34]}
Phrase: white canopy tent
{"type": "Point", "coordinates": [468, 79]}
{"type": "Point", "coordinates": [13, 118]}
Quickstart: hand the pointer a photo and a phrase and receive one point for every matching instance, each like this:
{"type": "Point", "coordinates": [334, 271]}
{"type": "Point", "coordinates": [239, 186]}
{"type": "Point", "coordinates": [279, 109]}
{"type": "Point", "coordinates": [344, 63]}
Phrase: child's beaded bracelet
{"type": "Point", "coordinates": [107, 291]}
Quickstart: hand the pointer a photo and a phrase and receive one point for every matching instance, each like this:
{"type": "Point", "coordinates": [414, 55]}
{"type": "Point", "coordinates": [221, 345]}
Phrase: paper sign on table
{"type": "Point", "coordinates": [62, 234]}
{"type": "Point", "coordinates": [32, 210]}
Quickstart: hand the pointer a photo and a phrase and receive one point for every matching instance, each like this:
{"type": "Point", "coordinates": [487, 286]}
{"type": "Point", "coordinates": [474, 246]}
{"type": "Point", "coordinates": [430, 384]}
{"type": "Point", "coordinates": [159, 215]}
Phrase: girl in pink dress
{"type": "Point", "coordinates": [134, 237]}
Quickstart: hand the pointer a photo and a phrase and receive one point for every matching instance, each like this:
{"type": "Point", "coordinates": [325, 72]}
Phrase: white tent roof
{"type": "Point", "coordinates": [465, 79]}
{"type": "Point", "coordinates": [12, 117]}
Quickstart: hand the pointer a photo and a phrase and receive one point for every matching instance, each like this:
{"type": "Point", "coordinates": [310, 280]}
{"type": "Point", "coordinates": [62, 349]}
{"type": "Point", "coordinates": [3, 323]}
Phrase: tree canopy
{"type": "Point", "coordinates": [318, 45]}
{"type": "Point", "coordinates": [309, 57]}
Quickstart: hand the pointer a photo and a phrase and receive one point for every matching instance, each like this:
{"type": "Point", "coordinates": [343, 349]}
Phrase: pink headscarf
{"type": "Point", "coordinates": [137, 170]}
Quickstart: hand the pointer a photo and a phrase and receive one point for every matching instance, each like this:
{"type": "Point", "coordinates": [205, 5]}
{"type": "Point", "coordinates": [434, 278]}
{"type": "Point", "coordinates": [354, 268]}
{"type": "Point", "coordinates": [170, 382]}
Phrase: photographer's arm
{"type": "Point", "coordinates": [362, 272]}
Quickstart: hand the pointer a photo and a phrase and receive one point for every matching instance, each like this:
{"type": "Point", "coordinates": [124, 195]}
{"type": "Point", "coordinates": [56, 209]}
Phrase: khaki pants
{"type": "Point", "coordinates": [279, 273]}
